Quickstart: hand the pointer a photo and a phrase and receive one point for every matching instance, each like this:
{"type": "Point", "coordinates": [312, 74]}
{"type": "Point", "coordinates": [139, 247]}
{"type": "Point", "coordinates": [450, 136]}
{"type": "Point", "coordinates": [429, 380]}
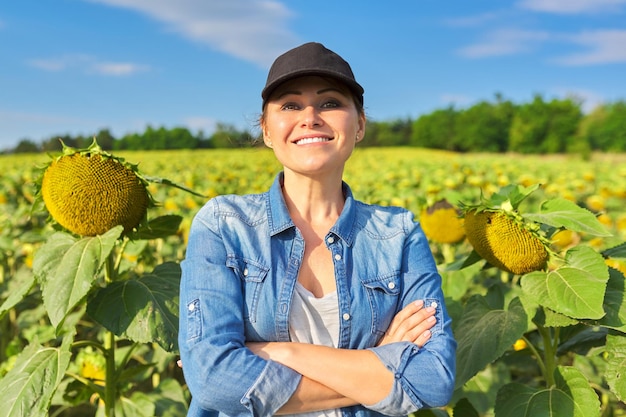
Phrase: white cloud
{"type": "Point", "coordinates": [253, 30]}
{"type": "Point", "coordinates": [471, 21]}
{"type": "Point", "coordinates": [505, 42]}
{"type": "Point", "coordinates": [118, 68]}
{"type": "Point", "coordinates": [603, 46]}
{"type": "Point", "coordinates": [589, 99]}
{"type": "Point", "coordinates": [458, 100]}
{"type": "Point", "coordinates": [88, 64]}
{"type": "Point", "coordinates": [572, 6]}
{"type": "Point", "coordinates": [197, 123]}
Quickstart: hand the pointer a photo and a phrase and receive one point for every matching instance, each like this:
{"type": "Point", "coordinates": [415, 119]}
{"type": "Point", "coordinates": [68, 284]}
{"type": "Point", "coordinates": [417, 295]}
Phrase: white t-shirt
{"type": "Point", "coordinates": [315, 320]}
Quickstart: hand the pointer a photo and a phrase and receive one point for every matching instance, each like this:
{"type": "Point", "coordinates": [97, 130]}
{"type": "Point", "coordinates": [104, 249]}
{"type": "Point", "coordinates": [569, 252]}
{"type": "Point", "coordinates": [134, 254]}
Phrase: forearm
{"type": "Point", "coordinates": [313, 396]}
{"type": "Point", "coordinates": [341, 370]}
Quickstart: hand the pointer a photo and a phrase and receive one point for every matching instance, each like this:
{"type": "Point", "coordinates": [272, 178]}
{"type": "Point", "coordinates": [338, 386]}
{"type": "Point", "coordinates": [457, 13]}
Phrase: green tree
{"type": "Point", "coordinates": [544, 127]}
{"type": "Point", "coordinates": [529, 126]}
{"type": "Point", "coordinates": [565, 116]}
{"type": "Point", "coordinates": [105, 139]}
{"type": "Point", "coordinates": [227, 136]}
{"type": "Point", "coordinates": [605, 127]}
{"type": "Point", "coordinates": [26, 146]}
{"type": "Point", "coordinates": [485, 127]}
{"type": "Point", "coordinates": [436, 130]}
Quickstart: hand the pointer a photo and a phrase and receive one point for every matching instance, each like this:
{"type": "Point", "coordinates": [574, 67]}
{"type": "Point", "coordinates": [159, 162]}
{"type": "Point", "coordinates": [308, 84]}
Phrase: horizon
{"type": "Point", "coordinates": [76, 67]}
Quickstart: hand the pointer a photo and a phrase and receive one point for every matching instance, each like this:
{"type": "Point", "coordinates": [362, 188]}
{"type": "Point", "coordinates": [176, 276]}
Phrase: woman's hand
{"type": "Point", "coordinates": [411, 324]}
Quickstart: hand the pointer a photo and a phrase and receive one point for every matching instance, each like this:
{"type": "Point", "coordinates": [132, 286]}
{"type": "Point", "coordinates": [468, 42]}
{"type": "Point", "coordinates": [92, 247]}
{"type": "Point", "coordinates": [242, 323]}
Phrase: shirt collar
{"type": "Point", "coordinates": [280, 220]}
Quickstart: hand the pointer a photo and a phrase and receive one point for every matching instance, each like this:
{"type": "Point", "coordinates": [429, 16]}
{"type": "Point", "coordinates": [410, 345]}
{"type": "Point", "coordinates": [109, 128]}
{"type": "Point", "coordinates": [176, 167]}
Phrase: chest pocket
{"type": "Point", "coordinates": [383, 295]}
{"type": "Point", "coordinates": [252, 276]}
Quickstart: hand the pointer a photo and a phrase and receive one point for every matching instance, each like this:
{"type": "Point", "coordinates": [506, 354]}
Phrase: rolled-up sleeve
{"type": "Point", "coordinates": [222, 374]}
{"type": "Point", "coordinates": [423, 377]}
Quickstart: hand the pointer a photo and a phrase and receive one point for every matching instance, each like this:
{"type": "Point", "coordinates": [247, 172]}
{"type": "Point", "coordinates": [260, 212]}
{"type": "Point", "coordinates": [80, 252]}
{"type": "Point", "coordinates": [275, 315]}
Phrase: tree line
{"type": "Point", "coordinates": [540, 126]}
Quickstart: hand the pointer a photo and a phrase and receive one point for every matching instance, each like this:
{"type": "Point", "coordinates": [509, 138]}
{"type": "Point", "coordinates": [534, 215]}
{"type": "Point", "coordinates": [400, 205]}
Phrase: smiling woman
{"type": "Point", "coordinates": [302, 300]}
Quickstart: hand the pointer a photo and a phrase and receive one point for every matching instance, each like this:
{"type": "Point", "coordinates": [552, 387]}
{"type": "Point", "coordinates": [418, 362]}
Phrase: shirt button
{"type": "Point", "coordinates": [433, 304]}
{"type": "Point", "coordinates": [391, 285]}
{"type": "Point", "coordinates": [346, 316]}
{"type": "Point", "coordinates": [191, 307]}
{"type": "Point", "coordinates": [330, 239]}
{"type": "Point", "coordinates": [245, 272]}
{"type": "Point", "coordinates": [337, 257]}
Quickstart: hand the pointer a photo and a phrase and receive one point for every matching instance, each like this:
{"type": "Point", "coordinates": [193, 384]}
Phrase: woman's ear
{"type": "Point", "coordinates": [266, 138]}
{"type": "Point", "coordinates": [360, 131]}
{"type": "Point", "coordinates": [266, 135]}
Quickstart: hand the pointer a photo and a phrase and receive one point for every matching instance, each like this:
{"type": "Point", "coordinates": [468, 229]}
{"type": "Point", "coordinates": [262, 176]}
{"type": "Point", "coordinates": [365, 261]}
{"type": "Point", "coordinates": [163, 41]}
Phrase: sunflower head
{"type": "Point", "coordinates": [505, 242]}
{"type": "Point", "coordinates": [442, 222]}
{"type": "Point", "coordinates": [90, 191]}
{"type": "Point", "coordinates": [503, 237]}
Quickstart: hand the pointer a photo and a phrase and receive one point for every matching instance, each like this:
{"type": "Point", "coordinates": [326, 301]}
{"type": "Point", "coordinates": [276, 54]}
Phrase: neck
{"type": "Point", "coordinates": [313, 201]}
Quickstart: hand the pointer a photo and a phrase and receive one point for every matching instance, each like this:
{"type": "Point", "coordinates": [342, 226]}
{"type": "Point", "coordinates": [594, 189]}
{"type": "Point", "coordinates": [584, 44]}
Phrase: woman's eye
{"type": "Point", "coordinates": [289, 106]}
{"type": "Point", "coordinates": [331, 104]}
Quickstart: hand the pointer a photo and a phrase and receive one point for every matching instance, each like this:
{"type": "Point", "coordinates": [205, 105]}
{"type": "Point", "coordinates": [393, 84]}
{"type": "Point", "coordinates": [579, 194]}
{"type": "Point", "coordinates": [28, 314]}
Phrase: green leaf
{"type": "Point", "coordinates": [159, 227]}
{"type": "Point", "coordinates": [518, 193]}
{"type": "Point", "coordinates": [67, 268]}
{"type": "Point", "coordinates": [19, 286]}
{"type": "Point", "coordinates": [483, 335]}
{"type": "Point", "coordinates": [560, 212]}
{"type": "Point", "coordinates": [571, 396]}
{"type": "Point", "coordinates": [27, 389]}
{"type": "Point", "coordinates": [615, 302]}
{"type": "Point", "coordinates": [465, 408]}
{"type": "Point", "coordinates": [618, 251]}
{"type": "Point", "coordinates": [616, 364]}
{"type": "Point", "coordinates": [456, 282]}
{"type": "Point", "coordinates": [575, 289]}
{"type": "Point", "coordinates": [138, 405]}
{"type": "Point", "coordinates": [169, 399]}
{"type": "Point", "coordinates": [482, 389]}
{"type": "Point", "coordinates": [144, 309]}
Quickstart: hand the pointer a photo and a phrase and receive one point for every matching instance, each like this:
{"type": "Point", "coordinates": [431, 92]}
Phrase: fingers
{"type": "Point", "coordinates": [412, 324]}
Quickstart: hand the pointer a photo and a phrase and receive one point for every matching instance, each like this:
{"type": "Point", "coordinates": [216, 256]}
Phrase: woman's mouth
{"type": "Point", "coordinates": [306, 141]}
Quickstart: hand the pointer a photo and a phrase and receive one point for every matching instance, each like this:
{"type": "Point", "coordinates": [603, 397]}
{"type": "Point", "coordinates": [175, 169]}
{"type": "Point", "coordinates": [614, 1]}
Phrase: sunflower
{"type": "Point", "coordinates": [90, 191]}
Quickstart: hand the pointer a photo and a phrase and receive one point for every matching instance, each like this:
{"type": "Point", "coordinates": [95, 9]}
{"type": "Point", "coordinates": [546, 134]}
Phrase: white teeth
{"type": "Point", "coordinates": [306, 141]}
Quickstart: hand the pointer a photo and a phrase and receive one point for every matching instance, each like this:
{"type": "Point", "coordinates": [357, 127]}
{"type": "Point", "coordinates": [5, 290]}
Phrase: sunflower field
{"type": "Point", "coordinates": [530, 248]}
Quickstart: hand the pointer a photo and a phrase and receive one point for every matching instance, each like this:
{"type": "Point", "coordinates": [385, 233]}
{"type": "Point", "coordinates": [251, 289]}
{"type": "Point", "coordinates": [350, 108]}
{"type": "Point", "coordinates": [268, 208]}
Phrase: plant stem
{"type": "Point", "coordinates": [549, 349]}
{"type": "Point", "coordinates": [110, 378]}
{"type": "Point", "coordinates": [542, 365]}
{"type": "Point", "coordinates": [110, 387]}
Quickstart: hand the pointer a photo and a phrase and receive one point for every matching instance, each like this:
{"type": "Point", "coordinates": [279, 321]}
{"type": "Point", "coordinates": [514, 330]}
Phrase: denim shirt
{"type": "Point", "coordinates": [238, 278]}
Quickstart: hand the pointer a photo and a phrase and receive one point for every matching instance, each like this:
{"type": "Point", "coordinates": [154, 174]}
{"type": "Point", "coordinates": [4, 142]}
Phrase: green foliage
{"type": "Point", "coordinates": [96, 321]}
{"type": "Point", "coordinates": [571, 396]}
{"type": "Point", "coordinates": [537, 127]}
{"type": "Point", "coordinates": [573, 306]}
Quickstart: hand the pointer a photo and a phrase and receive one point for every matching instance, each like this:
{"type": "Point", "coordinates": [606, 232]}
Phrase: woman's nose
{"type": "Point", "coordinates": [311, 117]}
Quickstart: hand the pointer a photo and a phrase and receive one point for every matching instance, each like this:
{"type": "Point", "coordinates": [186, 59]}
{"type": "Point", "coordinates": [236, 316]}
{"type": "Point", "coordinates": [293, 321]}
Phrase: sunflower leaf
{"type": "Point", "coordinates": [575, 289]}
{"type": "Point", "coordinates": [560, 212]}
{"type": "Point", "coordinates": [143, 309]}
{"type": "Point", "coordinates": [571, 396]}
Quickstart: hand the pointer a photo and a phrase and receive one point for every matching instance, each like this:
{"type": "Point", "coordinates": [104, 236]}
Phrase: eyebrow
{"type": "Point", "coordinates": [299, 93]}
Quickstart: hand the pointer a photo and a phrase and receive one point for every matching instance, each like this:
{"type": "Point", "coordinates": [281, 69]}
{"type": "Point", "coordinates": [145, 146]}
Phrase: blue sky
{"type": "Point", "coordinates": [77, 66]}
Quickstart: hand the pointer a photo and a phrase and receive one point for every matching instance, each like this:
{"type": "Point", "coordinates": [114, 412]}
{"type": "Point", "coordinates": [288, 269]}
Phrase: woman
{"type": "Point", "coordinates": [303, 299]}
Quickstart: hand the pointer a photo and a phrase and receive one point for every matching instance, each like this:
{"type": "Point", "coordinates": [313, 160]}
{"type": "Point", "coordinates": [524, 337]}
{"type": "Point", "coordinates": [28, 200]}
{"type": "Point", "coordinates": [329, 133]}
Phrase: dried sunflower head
{"type": "Point", "coordinates": [502, 236]}
{"type": "Point", "coordinates": [90, 191]}
{"type": "Point", "coordinates": [505, 241]}
{"type": "Point", "coordinates": [442, 223]}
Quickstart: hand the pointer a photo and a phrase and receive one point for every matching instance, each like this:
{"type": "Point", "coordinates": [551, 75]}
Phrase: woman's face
{"type": "Point", "coordinates": [312, 124]}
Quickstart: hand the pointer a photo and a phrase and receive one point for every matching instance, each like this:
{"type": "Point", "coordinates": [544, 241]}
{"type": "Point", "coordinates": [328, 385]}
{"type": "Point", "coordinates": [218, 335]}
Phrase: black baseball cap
{"type": "Point", "coordinates": [310, 59]}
